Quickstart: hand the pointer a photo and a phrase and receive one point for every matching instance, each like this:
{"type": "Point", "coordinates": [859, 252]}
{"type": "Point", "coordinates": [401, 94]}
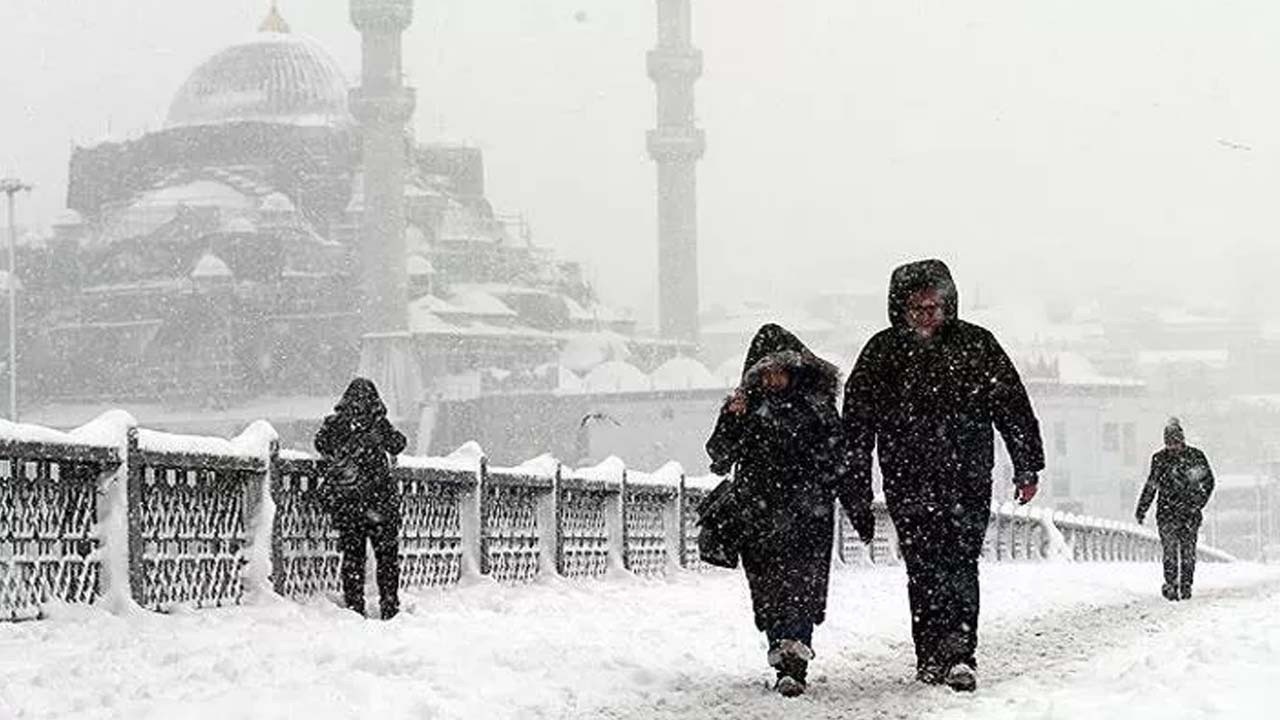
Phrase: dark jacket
{"type": "Point", "coordinates": [359, 435]}
{"type": "Point", "coordinates": [787, 449]}
{"type": "Point", "coordinates": [927, 407]}
{"type": "Point", "coordinates": [1181, 482]}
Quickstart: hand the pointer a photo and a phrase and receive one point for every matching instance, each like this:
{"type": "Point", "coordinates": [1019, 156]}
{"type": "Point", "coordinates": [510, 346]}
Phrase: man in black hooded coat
{"type": "Point", "coordinates": [924, 395]}
{"type": "Point", "coordinates": [364, 501]}
{"type": "Point", "coordinates": [1183, 481]}
{"type": "Point", "coordinates": [781, 431]}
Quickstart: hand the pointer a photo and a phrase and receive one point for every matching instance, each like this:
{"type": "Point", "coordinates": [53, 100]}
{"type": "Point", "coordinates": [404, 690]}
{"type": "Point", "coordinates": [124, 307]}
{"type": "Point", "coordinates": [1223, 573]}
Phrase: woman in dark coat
{"type": "Point", "coordinates": [781, 434]}
{"type": "Point", "coordinates": [363, 498]}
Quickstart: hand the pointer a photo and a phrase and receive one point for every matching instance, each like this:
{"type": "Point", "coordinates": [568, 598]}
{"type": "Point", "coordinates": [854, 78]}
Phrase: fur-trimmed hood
{"type": "Point", "coordinates": [774, 346]}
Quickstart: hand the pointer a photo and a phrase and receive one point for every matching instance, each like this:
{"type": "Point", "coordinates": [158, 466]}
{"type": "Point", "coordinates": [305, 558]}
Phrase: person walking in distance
{"type": "Point", "coordinates": [1180, 482]}
{"type": "Point", "coordinates": [780, 434]}
{"type": "Point", "coordinates": [924, 395]}
{"type": "Point", "coordinates": [361, 496]}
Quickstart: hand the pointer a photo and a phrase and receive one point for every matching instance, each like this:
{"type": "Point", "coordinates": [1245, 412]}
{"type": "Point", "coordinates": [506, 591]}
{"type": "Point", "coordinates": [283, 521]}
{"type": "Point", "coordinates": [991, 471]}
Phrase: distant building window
{"type": "Point", "coordinates": [1110, 437]}
{"type": "Point", "coordinates": [1130, 444]}
{"type": "Point", "coordinates": [1060, 438]}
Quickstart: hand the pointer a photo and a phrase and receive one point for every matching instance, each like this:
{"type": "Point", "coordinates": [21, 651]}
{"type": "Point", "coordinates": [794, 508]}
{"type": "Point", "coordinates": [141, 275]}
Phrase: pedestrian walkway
{"type": "Point", "coordinates": [1053, 636]}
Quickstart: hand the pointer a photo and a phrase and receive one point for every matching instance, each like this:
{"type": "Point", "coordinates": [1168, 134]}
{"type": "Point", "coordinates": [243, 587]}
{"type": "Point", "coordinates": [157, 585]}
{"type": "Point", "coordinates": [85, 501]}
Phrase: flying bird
{"type": "Point", "coordinates": [1233, 146]}
{"type": "Point", "coordinates": [598, 416]}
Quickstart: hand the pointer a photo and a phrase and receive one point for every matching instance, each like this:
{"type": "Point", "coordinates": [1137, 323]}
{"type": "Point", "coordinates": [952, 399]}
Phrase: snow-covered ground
{"type": "Point", "coordinates": [1058, 641]}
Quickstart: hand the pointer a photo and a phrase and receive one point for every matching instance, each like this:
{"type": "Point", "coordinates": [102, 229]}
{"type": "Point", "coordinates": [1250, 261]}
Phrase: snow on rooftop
{"type": "Point", "coordinates": [479, 302]}
{"type": "Point", "coordinates": [583, 351]}
{"type": "Point", "coordinates": [1212, 358]}
{"type": "Point", "coordinates": [206, 193]}
{"type": "Point", "coordinates": [617, 376]}
{"type": "Point", "coordinates": [684, 373]}
{"type": "Point", "coordinates": [418, 266]}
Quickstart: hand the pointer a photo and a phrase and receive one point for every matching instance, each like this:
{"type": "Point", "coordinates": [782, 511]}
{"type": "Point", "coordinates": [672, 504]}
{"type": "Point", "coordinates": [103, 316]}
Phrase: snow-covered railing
{"type": "Point", "coordinates": [122, 516]}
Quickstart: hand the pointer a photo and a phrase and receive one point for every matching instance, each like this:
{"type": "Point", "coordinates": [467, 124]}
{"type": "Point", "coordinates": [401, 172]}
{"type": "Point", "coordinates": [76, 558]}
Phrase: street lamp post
{"type": "Point", "coordinates": [11, 187]}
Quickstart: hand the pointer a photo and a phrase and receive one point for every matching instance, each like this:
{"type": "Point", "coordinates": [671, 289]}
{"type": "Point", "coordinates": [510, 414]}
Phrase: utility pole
{"type": "Point", "coordinates": [11, 187]}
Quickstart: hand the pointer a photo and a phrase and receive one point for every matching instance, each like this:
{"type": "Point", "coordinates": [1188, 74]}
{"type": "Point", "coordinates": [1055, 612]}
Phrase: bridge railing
{"type": "Point", "coordinates": [117, 514]}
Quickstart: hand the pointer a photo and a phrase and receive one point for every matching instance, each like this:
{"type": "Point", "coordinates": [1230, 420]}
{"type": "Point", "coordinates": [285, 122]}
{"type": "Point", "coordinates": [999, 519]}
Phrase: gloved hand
{"type": "Point", "coordinates": [1027, 483]}
{"type": "Point", "coordinates": [864, 523]}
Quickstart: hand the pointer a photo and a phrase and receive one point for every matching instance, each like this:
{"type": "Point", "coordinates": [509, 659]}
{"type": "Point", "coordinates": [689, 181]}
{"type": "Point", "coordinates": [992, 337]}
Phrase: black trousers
{"type": "Point", "coordinates": [383, 531]}
{"type": "Point", "coordinates": [1178, 541]}
{"type": "Point", "coordinates": [940, 546]}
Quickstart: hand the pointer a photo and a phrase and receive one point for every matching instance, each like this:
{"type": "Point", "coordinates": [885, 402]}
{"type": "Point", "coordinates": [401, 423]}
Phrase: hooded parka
{"type": "Point", "coordinates": [787, 453]}
{"type": "Point", "coordinates": [927, 408]}
{"type": "Point", "coordinates": [357, 441]}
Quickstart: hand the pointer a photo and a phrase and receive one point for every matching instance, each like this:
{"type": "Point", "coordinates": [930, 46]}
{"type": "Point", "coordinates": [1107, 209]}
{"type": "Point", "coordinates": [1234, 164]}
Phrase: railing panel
{"type": "Point", "coordinates": [48, 509]}
{"type": "Point", "coordinates": [191, 534]}
{"type": "Point", "coordinates": [307, 560]}
{"type": "Point", "coordinates": [511, 549]}
{"type": "Point", "coordinates": [584, 533]}
{"type": "Point", "coordinates": [646, 530]}
{"type": "Point", "coordinates": [431, 527]}
{"type": "Point", "coordinates": [691, 559]}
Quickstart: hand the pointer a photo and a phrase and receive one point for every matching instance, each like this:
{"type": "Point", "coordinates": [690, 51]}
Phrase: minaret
{"type": "Point", "coordinates": [383, 106]}
{"type": "Point", "coordinates": [676, 145]}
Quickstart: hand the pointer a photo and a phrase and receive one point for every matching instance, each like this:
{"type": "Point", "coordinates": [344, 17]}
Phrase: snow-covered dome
{"type": "Point", "coordinates": [684, 373]}
{"type": "Point", "coordinates": [616, 376]}
{"type": "Point", "coordinates": [275, 77]}
{"type": "Point", "coordinates": [211, 267]}
{"type": "Point", "coordinates": [277, 202]}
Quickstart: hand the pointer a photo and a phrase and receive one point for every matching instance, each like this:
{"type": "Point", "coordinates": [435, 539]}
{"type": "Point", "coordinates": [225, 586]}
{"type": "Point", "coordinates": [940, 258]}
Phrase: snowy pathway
{"type": "Point", "coordinates": [1057, 640]}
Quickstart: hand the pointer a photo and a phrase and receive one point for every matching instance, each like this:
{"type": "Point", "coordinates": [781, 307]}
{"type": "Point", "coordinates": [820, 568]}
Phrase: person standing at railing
{"type": "Point", "coordinates": [1180, 482]}
{"type": "Point", "coordinates": [780, 434]}
{"type": "Point", "coordinates": [361, 495]}
{"type": "Point", "coordinates": [923, 396]}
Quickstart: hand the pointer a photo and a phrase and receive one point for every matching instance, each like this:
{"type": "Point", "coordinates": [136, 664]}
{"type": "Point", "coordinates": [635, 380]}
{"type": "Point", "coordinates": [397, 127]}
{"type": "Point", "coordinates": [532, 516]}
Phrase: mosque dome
{"type": "Point", "coordinates": [275, 77]}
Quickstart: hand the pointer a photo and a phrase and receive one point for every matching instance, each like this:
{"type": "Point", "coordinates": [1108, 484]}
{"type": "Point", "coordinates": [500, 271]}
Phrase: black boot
{"type": "Point", "coordinates": [792, 677]}
{"type": "Point", "coordinates": [791, 659]}
{"type": "Point", "coordinates": [1170, 592]}
{"type": "Point", "coordinates": [962, 677]}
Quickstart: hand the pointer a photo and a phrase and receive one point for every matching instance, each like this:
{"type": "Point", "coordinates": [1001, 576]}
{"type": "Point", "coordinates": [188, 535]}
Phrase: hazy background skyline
{"type": "Point", "coordinates": [1049, 148]}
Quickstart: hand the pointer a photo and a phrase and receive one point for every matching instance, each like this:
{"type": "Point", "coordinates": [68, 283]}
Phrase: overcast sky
{"type": "Point", "coordinates": [1039, 146]}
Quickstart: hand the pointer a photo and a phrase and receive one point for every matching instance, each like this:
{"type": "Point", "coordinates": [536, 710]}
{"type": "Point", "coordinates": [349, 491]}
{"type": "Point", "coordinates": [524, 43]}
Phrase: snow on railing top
{"type": "Point", "coordinates": [253, 443]}
{"type": "Point", "coordinates": [667, 476]}
{"type": "Point", "coordinates": [105, 431]}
